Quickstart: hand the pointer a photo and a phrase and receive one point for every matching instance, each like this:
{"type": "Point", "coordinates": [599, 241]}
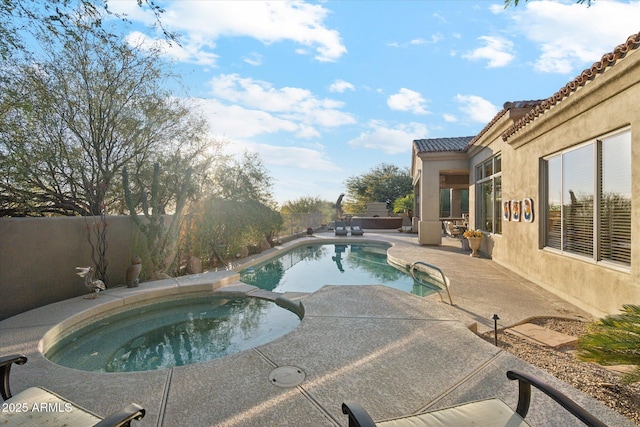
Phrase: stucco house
{"type": "Point", "coordinates": [554, 184]}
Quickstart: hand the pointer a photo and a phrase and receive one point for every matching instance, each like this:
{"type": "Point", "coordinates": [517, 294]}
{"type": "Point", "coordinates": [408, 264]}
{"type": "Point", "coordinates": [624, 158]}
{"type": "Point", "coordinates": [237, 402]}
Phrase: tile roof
{"type": "Point", "coordinates": [434, 145]}
{"type": "Point", "coordinates": [608, 60]}
{"type": "Point", "coordinates": [506, 107]}
{"type": "Point", "coordinates": [537, 106]}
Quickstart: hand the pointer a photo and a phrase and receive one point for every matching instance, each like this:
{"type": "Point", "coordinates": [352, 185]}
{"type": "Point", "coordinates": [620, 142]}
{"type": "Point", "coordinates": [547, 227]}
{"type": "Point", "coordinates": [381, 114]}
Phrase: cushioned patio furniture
{"type": "Point", "coordinates": [453, 230]}
{"type": "Point", "coordinates": [37, 406]}
{"type": "Point", "coordinates": [341, 229]}
{"type": "Point", "coordinates": [490, 412]}
{"type": "Point", "coordinates": [356, 230]}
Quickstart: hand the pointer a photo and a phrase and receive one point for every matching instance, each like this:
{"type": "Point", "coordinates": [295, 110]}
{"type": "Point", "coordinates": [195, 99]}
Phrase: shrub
{"type": "Point", "coordinates": [614, 340]}
{"type": "Point", "coordinates": [218, 229]}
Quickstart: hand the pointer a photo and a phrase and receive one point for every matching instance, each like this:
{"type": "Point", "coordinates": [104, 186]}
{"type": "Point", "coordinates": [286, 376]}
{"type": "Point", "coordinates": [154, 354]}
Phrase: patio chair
{"type": "Point", "coordinates": [489, 412]}
{"type": "Point", "coordinates": [39, 406]}
{"type": "Point", "coordinates": [356, 230]}
{"type": "Point", "coordinates": [453, 230]}
{"type": "Point", "coordinates": [341, 229]}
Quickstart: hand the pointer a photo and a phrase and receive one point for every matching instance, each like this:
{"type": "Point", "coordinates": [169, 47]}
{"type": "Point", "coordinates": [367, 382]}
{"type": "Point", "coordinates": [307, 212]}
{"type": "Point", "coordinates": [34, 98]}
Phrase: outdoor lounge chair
{"type": "Point", "coordinates": [356, 230]}
{"type": "Point", "coordinates": [341, 229]}
{"type": "Point", "coordinates": [39, 406]}
{"type": "Point", "coordinates": [493, 412]}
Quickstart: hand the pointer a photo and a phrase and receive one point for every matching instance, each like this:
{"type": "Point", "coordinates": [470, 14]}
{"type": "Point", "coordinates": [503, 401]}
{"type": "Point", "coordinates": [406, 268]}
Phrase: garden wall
{"type": "Point", "coordinates": [38, 257]}
{"type": "Point", "coordinates": [378, 223]}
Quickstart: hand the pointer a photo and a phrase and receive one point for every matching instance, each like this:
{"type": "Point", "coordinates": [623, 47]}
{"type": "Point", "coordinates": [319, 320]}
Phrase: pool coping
{"type": "Point", "coordinates": [342, 355]}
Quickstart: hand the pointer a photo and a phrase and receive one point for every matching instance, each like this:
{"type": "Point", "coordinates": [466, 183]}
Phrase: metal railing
{"type": "Point", "coordinates": [445, 280]}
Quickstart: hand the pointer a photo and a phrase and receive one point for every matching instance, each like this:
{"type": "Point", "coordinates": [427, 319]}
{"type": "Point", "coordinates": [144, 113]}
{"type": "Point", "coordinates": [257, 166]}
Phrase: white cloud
{"type": "Point", "coordinates": [449, 118]}
{"type": "Point", "coordinates": [390, 140]}
{"type": "Point", "coordinates": [254, 59]}
{"type": "Point", "coordinates": [291, 103]}
{"type": "Point", "coordinates": [435, 38]}
{"type": "Point", "coordinates": [304, 159]}
{"type": "Point", "coordinates": [497, 9]}
{"type": "Point", "coordinates": [476, 108]}
{"type": "Point", "coordinates": [236, 122]}
{"type": "Point", "coordinates": [573, 36]}
{"type": "Point", "coordinates": [340, 86]}
{"type": "Point", "coordinates": [439, 17]}
{"type": "Point", "coordinates": [497, 50]}
{"type": "Point", "coordinates": [295, 157]}
{"type": "Point", "coordinates": [246, 108]}
{"type": "Point", "coordinates": [193, 53]}
{"type": "Point", "coordinates": [407, 100]}
{"type": "Point", "coordinates": [201, 23]}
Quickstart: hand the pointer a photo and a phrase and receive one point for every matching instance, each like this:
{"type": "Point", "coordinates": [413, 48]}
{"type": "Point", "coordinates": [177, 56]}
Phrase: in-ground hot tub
{"type": "Point", "coordinates": [172, 332]}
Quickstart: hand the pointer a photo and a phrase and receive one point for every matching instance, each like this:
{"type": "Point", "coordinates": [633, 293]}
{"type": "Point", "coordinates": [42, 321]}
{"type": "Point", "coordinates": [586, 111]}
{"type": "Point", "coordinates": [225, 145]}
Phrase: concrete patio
{"type": "Point", "coordinates": [393, 352]}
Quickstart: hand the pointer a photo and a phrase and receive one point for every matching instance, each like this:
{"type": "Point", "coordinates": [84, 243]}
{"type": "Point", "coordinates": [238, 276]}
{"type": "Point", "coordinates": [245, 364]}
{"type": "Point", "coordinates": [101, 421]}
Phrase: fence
{"type": "Point", "coordinates": [38, 256]}
{"type": "Point", "coordinates": [299, 223]}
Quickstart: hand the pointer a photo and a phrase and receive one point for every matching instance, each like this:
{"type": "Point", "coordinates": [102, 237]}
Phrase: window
{"type": "Point", "coordinates": [588, 200]}
{"type": "Point", "coordinates": [445, 202]}
{"type": "Point", "coordinates": [489, 195]}
{"type": "Point", "coordinates": [448, 200]}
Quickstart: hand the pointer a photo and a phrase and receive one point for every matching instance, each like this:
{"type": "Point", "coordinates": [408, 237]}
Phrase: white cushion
{"type": "Point", "coordinates": [485, 413]}
{"type": "Point", "coordinates": [37, 407]}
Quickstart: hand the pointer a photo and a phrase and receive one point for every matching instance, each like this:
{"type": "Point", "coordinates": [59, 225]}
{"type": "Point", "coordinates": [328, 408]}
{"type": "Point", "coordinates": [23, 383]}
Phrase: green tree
{"type": "Point", "coordinates": [193, 152]}
{"type": "Point", "coordinates": [384, 183]}
{"type": "Point", "coordinates": [20, 19]}
{"type": "Point", "coordinates": [68, 131]}
{"type": "Point", "coordinates": [308, 204]}
{"type": "Point", "coordinates": [75, 116]}
{"type": "Point", "coordinates": [404, 204]}
{"type": "Point", "coordinates": [243, 180]}
{"type": "Point", "coordinates": [218, 229]}
{"type": "Point", "coordinates": [306, 211]}
{"type": "Point", "coordinates": [161, 239]}
{"type": "Point", "coordinates": [614, 340]}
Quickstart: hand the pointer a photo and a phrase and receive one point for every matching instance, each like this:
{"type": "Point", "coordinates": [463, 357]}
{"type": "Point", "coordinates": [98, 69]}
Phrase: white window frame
{"type": "Point", "coordinates": [497, 213]}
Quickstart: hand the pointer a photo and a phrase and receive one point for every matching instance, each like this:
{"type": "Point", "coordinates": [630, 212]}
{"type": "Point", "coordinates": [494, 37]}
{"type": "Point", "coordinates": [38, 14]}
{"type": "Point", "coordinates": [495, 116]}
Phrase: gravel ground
{"type": "Point", "coordinates": [590, 378]}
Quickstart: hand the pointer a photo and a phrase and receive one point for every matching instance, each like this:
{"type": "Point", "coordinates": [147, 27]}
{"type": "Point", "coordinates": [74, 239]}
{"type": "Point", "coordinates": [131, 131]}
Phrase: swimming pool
{"type": "Point", "coordinates": [171, 333]}
{"type": "Point", "coordinates": [309, 267]}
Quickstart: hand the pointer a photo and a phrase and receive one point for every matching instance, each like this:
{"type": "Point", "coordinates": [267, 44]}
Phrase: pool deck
{"type": "Point", "coordinates": [393, 352]}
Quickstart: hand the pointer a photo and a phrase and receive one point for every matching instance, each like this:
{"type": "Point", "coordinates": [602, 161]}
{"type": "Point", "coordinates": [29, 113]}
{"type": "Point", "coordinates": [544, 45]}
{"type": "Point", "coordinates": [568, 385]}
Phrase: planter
{"type": "Point", "coordinates": [133, 272]}
{"type": "Point", "coordinates": [474, 244]}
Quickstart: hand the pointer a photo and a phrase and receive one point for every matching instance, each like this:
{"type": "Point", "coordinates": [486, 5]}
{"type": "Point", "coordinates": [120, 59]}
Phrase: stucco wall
{"type": "Point", "coordinates": [487, 146]}
{"type": "Point", "coordinates": [606, 104]}
{"type": "Point", "coordinates": [38, 257]}
{"type": "Point", "coordinates": [380, 223]}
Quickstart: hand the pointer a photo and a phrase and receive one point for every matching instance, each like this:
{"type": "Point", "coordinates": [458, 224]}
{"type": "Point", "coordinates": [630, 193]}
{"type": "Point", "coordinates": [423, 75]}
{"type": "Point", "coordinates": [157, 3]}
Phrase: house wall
{"type": "Point", "coordinates": [605, 104]}
{"type": "Point", "coordinates": [489, 145]}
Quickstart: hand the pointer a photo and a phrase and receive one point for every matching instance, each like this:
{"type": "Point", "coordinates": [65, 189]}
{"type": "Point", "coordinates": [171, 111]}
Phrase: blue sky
{"type": "Point", "coordinates": [328, 90]}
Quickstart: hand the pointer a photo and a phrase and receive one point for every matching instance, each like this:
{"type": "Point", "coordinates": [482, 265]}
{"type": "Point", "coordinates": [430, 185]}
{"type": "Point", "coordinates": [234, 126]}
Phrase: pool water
{"type": "Point", "coordinates": [173, 333]}
{"type": "Point", "coordinates": [308, 268]}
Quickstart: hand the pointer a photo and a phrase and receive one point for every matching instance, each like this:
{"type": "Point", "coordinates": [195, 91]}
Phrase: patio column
{"type": "Point", "coordinates": [456, 203]}
{"type": "Point", "coordinates": [429, 226]}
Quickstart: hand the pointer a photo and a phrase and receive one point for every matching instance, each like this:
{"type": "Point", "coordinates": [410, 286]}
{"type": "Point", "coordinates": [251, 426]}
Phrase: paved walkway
{"type": "Point", "coordinates": [393, 352]}
{"type": "Point", "coordinates": [480, 287]}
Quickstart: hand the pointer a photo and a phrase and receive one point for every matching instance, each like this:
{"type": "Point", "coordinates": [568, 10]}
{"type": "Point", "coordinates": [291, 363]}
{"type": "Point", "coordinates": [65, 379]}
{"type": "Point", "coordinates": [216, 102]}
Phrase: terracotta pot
{"type": "Point", "coordinates": [474, 244]}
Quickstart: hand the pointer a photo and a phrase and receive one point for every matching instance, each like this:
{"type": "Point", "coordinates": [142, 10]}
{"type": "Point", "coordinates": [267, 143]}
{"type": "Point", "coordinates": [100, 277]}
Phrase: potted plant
{"type": "Point", "coordinates": [475, 238]}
